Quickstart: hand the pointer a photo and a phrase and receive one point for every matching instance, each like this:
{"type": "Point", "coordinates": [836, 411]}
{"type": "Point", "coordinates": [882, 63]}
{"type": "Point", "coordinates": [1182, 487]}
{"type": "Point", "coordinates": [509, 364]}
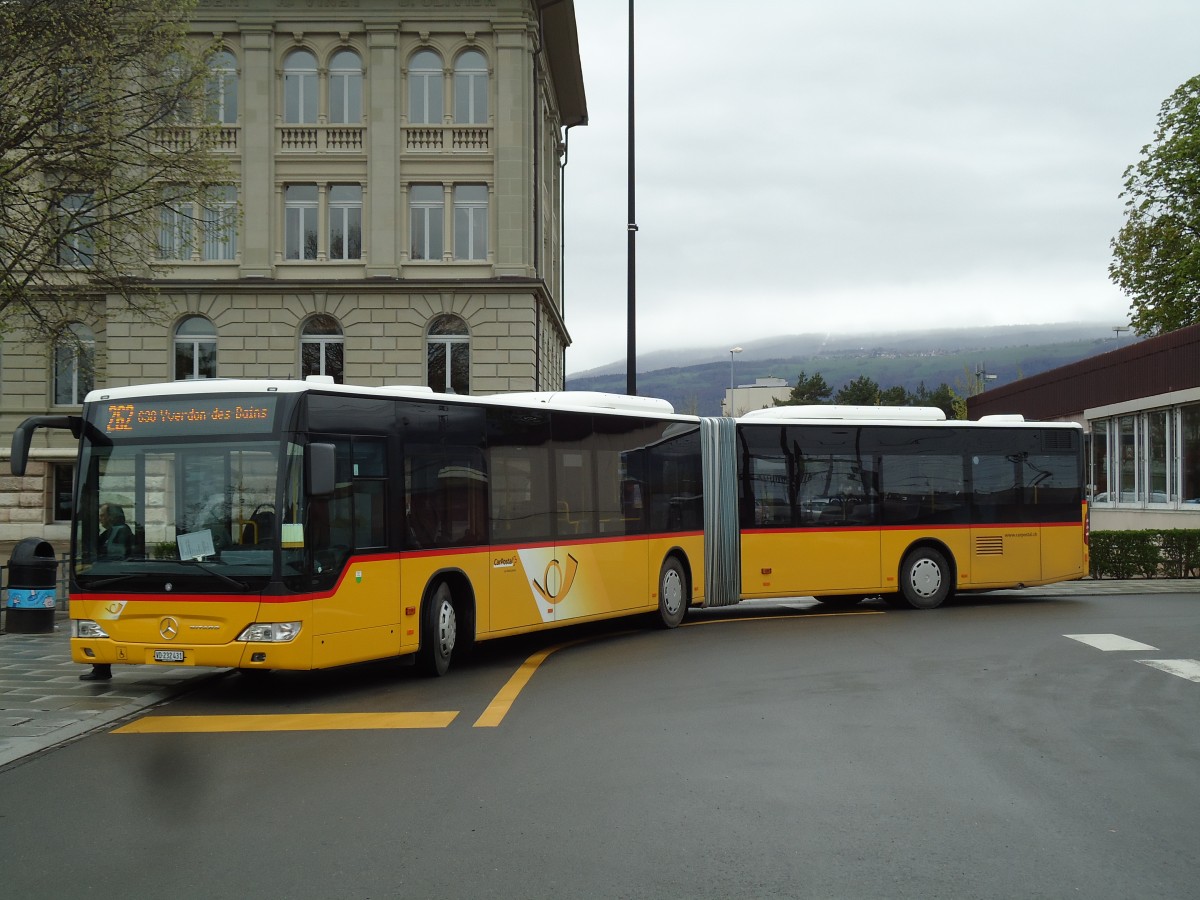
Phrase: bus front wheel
{"type": "Point", "coordinates": [925, 578]}
{"type": "Point", "coordinates": [439, 632]}
{"type": "Point", "coordinates": [672, 593]}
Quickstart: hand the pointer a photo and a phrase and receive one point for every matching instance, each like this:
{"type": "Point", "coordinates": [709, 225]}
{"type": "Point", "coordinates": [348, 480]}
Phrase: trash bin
{"type": "Point", "coordinates": [32, 590]}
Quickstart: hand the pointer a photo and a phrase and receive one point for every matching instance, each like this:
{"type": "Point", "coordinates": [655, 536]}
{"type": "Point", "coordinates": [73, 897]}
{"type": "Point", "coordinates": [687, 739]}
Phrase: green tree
{"type": "Point", "coordinates": [896, 395]}
{"type": "Point", "coordinates": [862, 391]}
{"type": "Point", "coordinates": [808, 390]}
{"type": "Point", "coordinates": [98, 134]}
{"type": "Point", "coordinates": [943, 397]}
{"type": "Point", "coordinates": [1156, 254]}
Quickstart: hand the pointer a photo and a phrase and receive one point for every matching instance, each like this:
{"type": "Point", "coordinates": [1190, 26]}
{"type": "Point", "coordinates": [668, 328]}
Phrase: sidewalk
{"type": "Point", "coordinates": [43, 703]}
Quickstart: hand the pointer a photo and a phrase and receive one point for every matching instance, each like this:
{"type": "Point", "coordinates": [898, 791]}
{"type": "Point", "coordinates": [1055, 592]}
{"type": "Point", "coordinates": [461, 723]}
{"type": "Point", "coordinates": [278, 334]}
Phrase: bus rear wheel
{"type": "Point", "coordinates": [925, 578]}
{"type": "Point", "coordinates": [439, 633]}
{"type": "Point", "coordinates": [672, 593]}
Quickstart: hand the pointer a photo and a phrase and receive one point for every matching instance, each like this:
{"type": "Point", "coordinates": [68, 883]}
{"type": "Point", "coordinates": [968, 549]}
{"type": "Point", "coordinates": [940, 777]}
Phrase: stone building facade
{"type": "Point", "coordinates": [394, 217]}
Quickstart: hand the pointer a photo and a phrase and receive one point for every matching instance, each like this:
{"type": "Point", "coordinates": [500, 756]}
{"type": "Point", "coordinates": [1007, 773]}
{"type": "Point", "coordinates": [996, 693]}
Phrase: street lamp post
{"type": "Point", "coordinates": [732, 351]}
{"type": "Point", "coordinates": [983, 376]}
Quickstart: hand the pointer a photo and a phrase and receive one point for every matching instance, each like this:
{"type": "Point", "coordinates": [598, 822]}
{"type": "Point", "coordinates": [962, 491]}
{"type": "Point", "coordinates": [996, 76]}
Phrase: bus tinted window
{"type": "Point", "coordinates": [676, 480]}
{"type": "Point", "coordinates": [520, 490]}
{"type": "Point", "coordinates": [922, 476]}
{"type": "Point", "coordinates": [446, 496]}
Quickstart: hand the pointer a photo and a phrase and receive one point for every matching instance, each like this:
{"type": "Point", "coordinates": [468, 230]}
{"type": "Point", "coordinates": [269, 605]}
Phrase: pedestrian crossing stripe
{"type": "Point", "coordinates": [1184, 668]}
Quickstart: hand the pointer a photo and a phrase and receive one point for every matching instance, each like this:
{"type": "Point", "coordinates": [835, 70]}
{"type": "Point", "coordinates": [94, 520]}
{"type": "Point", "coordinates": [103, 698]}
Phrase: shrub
{"type": "Point", "coordinates": [1171, 553]}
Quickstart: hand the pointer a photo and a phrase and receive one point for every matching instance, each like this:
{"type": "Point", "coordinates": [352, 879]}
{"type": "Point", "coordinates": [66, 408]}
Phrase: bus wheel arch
{"type": "Point", "coordinates": [926, 577]}
{"type": "Point", "coordinates": [447, 622]}
{"type": "Point", "coordinates": [674, 591]}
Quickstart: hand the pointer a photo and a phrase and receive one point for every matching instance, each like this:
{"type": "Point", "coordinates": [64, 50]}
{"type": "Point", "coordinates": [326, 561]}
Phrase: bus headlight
{"type": "Point", "coordinates": [270, 632]}
{"type": "Point", "coordinates": [86, 628]}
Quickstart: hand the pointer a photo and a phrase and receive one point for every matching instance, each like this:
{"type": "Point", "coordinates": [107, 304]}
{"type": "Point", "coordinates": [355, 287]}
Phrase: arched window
{"type": "Point", "coordinates": [425, 89]}
{"type": "Point", "coordinates": [74, 364]}
{"type": "Point", "coordinates": [448, 355]}
{"type": "Point", "coordinates": [345, 88]}
{"type": "Point", "coordinates": [471, 89]}
{"type": "Point", "coordinates": [223, 88]}
{"type": "Point", "coordinates": [321, 347]}
{"type": "Point", "coordinates": [300, 87]}
{"type": "Point", "coordinates": [195, 349]}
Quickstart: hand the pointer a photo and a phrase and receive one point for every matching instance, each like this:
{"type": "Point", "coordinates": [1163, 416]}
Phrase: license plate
{"type": "Point", "coordinates": [168, 656]}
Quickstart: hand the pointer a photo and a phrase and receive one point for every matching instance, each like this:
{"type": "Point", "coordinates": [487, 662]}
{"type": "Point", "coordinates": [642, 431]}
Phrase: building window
{"type": "Point", "coordinates": [64, 492]}
{"type": "Point", "coordinates": [195, 349]}
{"type": "Point", "coordinates": [223, 89]}
{"type": "Point", "coordinates": [470, 221]}
{"type": "Point", "coordinates": [426, 204]}
{"type": "Point", "coordinates": [1189, 453]}
{"type": "Point", "coordinates": [345, 221]}
{"type": "Point", "coordinates": [220, 223]}
{"type": "Point", "coordinates": [300, 87]}
{"type": "Point", "coordinates": [471, 89]}
{"type": "Point", "coordinates": [345, 88]}
{"type": "Point", "coordinates": [217, 219]}
{"type": "Point", "coordinates": [448, 355]}
{"type": "Point", "coordinates": [1099, 464]}
{"type": "Point", "coordinates": [321, 347]}
{"type": "Point", "coordinates": [1127, 456]}
{"type": "Point", "coordinates": [76, 220]}
{"type": "Point", "coordinates": [425, 89]}
{"type": "Point", "coordinates": [74, 364]}
{"type": "Point", "coordinates": [1157, 458]}
{"type": "Point", "coordinates": [174, 227]}
{"type": "Point", "coordinates": [300, 222]}
{"type": "Point", "coordinates": [1147, 459]}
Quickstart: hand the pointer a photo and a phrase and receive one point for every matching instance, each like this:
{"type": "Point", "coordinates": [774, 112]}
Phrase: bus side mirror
{"type": "Point", "coordinates": [320, 467]}
{"type": "Point", "coordinates": [23, 436]}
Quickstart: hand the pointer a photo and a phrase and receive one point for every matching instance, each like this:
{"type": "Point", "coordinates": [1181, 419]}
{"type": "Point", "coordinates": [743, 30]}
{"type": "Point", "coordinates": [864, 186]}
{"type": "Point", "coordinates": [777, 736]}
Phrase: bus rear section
{"type": "Point", "coordinates": [850, 503]}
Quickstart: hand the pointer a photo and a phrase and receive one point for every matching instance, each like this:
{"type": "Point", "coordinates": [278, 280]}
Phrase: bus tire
{"type": "Point", "coordinates": [925, 578]}
{"type": "Point", "coordinates": [672, 593]}
{"type": "Point", "coordinates": [439, 633]}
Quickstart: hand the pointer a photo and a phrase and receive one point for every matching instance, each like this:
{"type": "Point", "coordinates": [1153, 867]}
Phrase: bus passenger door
{"type": "Point", "coordinates": [357, 618]}
{"type": "Point", "coordinates": [521, 534]}
{"type": "Point", "coordinates": [600, 563]}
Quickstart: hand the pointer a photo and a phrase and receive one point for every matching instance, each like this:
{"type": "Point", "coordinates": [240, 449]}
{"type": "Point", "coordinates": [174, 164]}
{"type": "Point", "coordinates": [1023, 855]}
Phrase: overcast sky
{"type": "Point", "coordinates": [844, 165]}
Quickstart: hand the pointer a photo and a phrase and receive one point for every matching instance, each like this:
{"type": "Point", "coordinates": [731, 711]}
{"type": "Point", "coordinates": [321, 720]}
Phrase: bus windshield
{"type": "Point", "coordinates": [201, 512]}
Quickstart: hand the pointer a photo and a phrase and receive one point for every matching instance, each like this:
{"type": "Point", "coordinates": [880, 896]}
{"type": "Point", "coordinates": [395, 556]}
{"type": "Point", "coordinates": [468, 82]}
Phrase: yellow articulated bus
{"type": "Point", "coordinates": [844, 503]}
{"type": "Point", "coordinates": [265, 525]}
{"type": "Point", "coordinates": [303, 524]}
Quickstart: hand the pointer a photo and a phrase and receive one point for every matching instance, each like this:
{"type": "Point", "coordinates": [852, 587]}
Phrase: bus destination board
{"type": "Point", "coordinates": [170, 417]}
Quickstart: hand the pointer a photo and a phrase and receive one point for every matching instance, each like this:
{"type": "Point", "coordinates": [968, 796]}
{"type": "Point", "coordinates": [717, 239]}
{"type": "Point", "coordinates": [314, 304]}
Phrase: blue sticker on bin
{"type": "Point", "coordinates": [25, 598]}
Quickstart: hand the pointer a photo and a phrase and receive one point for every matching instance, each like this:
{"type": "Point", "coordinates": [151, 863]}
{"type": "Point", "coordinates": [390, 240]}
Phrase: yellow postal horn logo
{"type": "Point", "coordinates": [557, 585]}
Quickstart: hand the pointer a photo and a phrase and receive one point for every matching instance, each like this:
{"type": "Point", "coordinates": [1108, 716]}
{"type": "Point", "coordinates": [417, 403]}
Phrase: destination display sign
{"type": "Point", "coordinates": [174, 416]}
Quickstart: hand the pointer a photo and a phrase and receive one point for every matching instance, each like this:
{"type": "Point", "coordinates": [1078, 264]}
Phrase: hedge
{"type": "Point", "coordinates": [1146, 554]}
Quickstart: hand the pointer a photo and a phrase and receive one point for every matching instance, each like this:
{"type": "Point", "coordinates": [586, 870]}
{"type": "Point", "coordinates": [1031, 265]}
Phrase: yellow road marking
{"type": "Point", "coordinates": [491, 717]}
{"type": "Point", "coordinates": [503, 701]}
{"type": "Point", "coordinates": [287, 722]}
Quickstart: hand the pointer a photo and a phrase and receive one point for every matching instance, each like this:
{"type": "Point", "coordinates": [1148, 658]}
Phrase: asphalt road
{"type": "Point", "coordinates": [769, 750]}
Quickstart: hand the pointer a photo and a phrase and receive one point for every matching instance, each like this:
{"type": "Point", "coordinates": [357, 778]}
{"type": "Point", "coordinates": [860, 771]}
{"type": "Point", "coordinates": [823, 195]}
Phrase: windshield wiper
{"type": "Point", "coordinates": [208, 570]}
{"type": "Point", "coordinates": [106, 582]}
